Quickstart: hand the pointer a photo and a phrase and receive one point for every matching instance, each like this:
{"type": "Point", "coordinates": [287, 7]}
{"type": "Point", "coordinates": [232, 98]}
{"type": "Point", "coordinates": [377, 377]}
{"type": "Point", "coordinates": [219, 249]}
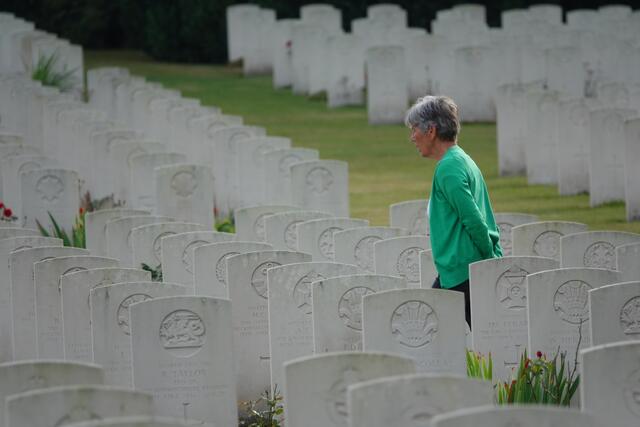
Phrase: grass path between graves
{"type": "Point", "coordinates": [384, 167]}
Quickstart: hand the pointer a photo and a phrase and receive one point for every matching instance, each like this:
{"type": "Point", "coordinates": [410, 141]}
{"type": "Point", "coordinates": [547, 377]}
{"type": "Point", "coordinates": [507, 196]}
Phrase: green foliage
{"type": "Point", "coordinates": [479, 366]}
{"type": "Point", "coordinates": [540, 381]}
{"type": "Point", "coordinates": [265, 412]}
{"type": "Point", "coordinates": [384, 167]}
{"type": "Point", "coordinates": [78, 235]}
{"type": "Point", "coordinates": [46, 72]}
{"type": "Point", "coordinates": [226, 225]}
{"type": "Point", "coordinates": [156, 273]}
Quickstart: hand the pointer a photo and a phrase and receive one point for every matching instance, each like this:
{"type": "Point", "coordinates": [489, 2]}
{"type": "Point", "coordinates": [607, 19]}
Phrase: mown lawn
{"type": "Point", "coordinates": [384, 167]}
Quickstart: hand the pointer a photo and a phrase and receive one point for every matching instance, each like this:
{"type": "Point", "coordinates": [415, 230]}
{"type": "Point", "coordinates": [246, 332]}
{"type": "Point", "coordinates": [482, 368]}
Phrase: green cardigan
{"type": "Point", "coordinates": [463, 229]}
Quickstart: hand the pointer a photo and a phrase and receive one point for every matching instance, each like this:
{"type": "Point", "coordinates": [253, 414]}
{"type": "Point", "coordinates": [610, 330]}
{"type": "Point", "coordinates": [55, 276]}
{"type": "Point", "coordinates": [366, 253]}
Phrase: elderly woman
{"type": "Point", "coordinates": [463, 229]}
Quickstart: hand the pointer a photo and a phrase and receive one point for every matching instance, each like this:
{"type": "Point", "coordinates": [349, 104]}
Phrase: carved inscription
{"type": "Point", "coordinates": [363, 252]}
{"type": "Point", "coordinates": [570, 301]}
{"type": "Point", "coordinates": [49, 188]}
{"type": "Point", "coordinates": [600, 255]}
{"type": "Point", "coordinates": [408, 264]}
{"type": "Point", "coordinates": [184, 183]}
{"type": "Point", "coordinates": [302, 291]}
{"type": "Point", "coordinates": [325, 242]}
{"type": "Point", "coordinates": [319, 180]}
{"type": "Point", "coordinates": [510, 289]}
{"type": "Point", "coordinates": [290, 235]}
{"type": "Point", "coordinates": [221, 267]}
{"type": "Point", "coordinates": [182, 333]}
{"type": "Point", "coordinates": [259, 278]}
{"type": "Point", "coordinates": [630, 316]}
{"type": "Point", "coordinates": [414, 324]}
{"type": "Point", "coordinates": [336, 397]}
{"type": "Point", "coordinates": [187, 255]}
{"type": "Point", "coordinates": [350, 306]}
{"type": "Point", "coordinates": [122, 314]}
{"type": "Point", "coordinates": [157, 248]}
{"type": "Point", "coordinates": [547, 244]}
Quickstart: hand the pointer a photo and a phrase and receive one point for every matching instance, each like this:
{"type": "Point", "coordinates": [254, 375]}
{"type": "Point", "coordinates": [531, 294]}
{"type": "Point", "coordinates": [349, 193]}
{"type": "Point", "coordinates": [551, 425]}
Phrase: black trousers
{"type": "Point", "coordinates": [464, 288]}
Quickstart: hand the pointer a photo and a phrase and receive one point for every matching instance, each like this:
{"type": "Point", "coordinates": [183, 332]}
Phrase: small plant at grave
{"type": "Point", "coordinates": [90, 204]}
{"type": "Point", "coordinates": [156, 273]}
{"type": "Point", "coordinates": [271, 416]}
{"type": "Point", "coordinates": [479, 366]}
{"type": "Point", "coordinates": [46, 73]}
{"type": "Point", "coordinates": [6, 214]}
{"type": "Point", "coordinates": [77, 239]}
{"type": "Point", "coordinates": [540, 381]}
{"type": "Point", "coordinates": [226, 225]}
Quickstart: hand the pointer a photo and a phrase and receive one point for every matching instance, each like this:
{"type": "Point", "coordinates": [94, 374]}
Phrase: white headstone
{"type": "Point", "coordinates": [609, 383]}
{"type": "Point", "coordinates": [6, 247]}
{"type": "Point", "coordinates": [111, 324]}
{"type": "Point", "coordinates": [607, 155]}
{"type": "Point", "coordinates": [75, 288]}
{"type": "Point", "coordinates": [290, 327]}
{"type": "Point", "coordinates": [316, 386]}
{"type": "Point", "coordinates": [60, 406]}
{"type": "Point", "coordinates": [54, 191]}
{"type": "Point", "coordinates": [250, 221]}
{"type": "Point", "coordinates": [542, 238]}
{"type": "Point", "coordinates": [48, 298]}
{"type": "Point", "coordinates": [355, 246]}
{"type": "Point", "coordinates": [210, 265]}
{"type": "Point", "coordinates": [499, 308]}
{"type": "Point", "coordinates": [280, 230]}
{"type": "Point", "coordinates": [250, 180]}
{"type": "Point", "coordinates": [505, 222]}
{"type": "Point", "coordinates": [140, 421]}
{"type": "Point", "coordinates": [118, 232]}
{"type": "Point", "coordinates": [337, 309]}
{"type": "Point", "coordinates": [541, 146]}
{"type": "Point", "coordinates": [177, 254]}
{"type": "Point", "coordinates": [278, 174]}
{"type": "Point", "coordinates": [189, 366]}
{"type": "Point", "coordinates": [23, 298]}
{"type": "Point", "coordinates": [19, 377]}
{"type": "Point", "coordinates": [387, 92]}
{"type": "Point", "coordinates": [628, 261]}
{"type": "Point", "coordinates": [143, 182]}
{"type": "Point", "coordinates": [595, 249]}
{"type": "Point", "coordinates": [615, 313]}
{"type": "Point", "coordinates": [410, 215]}
{"type": "Point", "coordinates": [146, 240]}
{"type": "Point", "coordinates": [95, 224]}
{"type": "Point", "coordinates": [247, 283]}
{"type": "Point", "coordinates": [345, 79]}
{"type": "Point", "coordinates": [631, 173]}
{"type": "Point", "coordinates": [428, 272]}
{"type": "Point", "coordinates": [315, 237]}
{"type": "Point", "coordinates": [185, 192]}
{"type": "Point", "coordinates": [410, 400]}
{"type": "Point", "coordinates": [321, 185]}
{"type": "Point", "coordinates": [426, 325]}
{"type": "Point", "coordinates": [558, 309]}
{"type": "Point", "coordinates": [505, 416]}
{"type": "Point", "coordinates": [400, 256]}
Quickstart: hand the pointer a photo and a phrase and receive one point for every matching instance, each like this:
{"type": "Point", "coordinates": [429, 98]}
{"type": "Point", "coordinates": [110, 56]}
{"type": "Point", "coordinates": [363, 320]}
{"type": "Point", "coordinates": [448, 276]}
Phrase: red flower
{"type": "Point", "coordinates": [8, 212]}
{"type": "Point", "coordinates": [539, 354]}
{"type": "Point", "coordinates": [1, 205]}
{"type": "Point", "coordinates": [81, 210]}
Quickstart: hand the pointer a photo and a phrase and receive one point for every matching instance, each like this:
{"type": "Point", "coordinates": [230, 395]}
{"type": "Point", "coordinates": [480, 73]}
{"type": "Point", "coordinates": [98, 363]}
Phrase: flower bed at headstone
{"type": "Point", "coordinates": [537, 380]}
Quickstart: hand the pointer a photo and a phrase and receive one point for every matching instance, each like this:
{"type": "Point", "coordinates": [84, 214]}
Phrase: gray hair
{"type": "Point", "coordinates": [439, 112]}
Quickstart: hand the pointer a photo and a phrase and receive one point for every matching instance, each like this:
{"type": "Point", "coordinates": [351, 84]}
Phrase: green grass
{"type": "Point", "coordinates": [384, 167]}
